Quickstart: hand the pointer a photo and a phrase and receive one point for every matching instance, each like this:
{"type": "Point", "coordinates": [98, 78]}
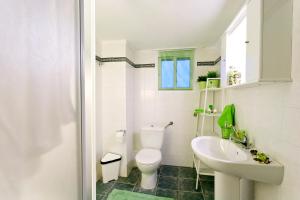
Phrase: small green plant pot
{"type": "Point", "coordinates": [213, 84]}
{"type": "Point", "coordinates": [226, 133]}
{"type": "Point", "coordinates": [202, 85]}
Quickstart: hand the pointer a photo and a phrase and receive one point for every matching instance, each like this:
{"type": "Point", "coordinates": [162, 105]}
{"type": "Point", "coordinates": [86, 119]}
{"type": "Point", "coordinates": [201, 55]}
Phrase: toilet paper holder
{"type": "Point", "coordinates": [120, 136]}
{"type": "Point", "coordinates": [121, 130]}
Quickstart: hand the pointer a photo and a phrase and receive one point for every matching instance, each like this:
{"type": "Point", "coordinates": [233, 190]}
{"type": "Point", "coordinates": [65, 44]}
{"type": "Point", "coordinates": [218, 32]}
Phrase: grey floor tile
{"type": "Point", "coordinates": [123, 186]}
{"type": "Point", "coordinates": [158, 170]}
{"type": "Point", "coordinates": [206, 178]}
{"type": "Point", "coordinates": [135, 171]}
{"type": "Point", "coordinates": [187, 172]}
{"type": "Point", "coordinates": [165, 182]}
{"type": "Point", "coordinates": [186, 184]}
{"type": "Point", "coordinates": [190, 196]}
{"type": "Point", "coordinates": [168, 170]}
{"type": "Point", "coordinates": [209, 196]}
{"type": "Point", "coordinates": [101, 197]}
{"type": "Point", "coordinates": [167, 193]}
{"type": "Point", "coordinates": [122, 180]}
{"type": "Point", "coordinates": [132, 178]}
{"type": "Point", "coordinates": [142, 190]}
{"type": "Point", "coordinates": [174, 182]}
{"type": "Point", "coordinates": [207, 186]}
{"type": "Point", "coordinates": [103, 188]}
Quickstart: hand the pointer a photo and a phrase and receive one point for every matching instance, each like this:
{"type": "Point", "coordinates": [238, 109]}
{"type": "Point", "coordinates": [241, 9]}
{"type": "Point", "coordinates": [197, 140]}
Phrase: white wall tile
{"type": "Point", "coordinates": [153, 106]}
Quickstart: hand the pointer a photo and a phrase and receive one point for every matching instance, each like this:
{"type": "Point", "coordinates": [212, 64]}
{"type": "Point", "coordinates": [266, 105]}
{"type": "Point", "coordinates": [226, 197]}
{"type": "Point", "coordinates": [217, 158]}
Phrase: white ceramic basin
{"type": "Point", "coordinates": [229, 158]}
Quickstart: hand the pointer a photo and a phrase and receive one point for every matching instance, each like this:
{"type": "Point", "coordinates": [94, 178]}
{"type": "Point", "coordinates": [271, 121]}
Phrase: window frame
{"type": "Point", "coordinates": [174, 56]}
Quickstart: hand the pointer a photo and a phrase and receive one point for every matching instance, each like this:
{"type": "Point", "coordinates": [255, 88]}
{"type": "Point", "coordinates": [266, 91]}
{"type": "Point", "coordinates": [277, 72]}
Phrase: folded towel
{"type": "Point", "coordinates": [227, 117]}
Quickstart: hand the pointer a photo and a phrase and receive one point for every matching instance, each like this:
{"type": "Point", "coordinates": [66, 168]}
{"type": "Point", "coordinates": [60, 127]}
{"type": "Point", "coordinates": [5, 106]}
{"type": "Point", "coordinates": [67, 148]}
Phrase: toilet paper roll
{"type": "Point", "coordinates": [120, 136]}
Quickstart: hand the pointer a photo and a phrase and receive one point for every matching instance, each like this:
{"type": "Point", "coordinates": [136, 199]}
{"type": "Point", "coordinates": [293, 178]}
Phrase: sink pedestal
{"type": "Point", "coordinates": [229, 187]}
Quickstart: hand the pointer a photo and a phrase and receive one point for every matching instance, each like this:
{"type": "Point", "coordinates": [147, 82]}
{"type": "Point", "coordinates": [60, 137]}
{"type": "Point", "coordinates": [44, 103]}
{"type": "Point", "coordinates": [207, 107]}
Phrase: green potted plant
{"type": "Point", "coordinates": [202, 82]}
{"type": "Point", "coordinates": [215, 83]}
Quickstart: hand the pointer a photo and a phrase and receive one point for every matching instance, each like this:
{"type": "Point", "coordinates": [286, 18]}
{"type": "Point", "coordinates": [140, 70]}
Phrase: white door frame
{"type": "Point", "coordinates": [87, 63]}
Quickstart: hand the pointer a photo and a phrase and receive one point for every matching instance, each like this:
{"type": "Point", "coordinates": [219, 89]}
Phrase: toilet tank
{"type": "Point", "coordinates": [152, 137]}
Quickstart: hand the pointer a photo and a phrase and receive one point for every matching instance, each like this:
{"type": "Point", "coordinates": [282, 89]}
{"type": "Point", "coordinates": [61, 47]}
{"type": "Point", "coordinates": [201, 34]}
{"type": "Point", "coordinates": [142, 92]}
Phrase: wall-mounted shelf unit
{"type": "Point", "coordinates": [211, 114]}
{"type": "Point", "coordinates": [210, 89]}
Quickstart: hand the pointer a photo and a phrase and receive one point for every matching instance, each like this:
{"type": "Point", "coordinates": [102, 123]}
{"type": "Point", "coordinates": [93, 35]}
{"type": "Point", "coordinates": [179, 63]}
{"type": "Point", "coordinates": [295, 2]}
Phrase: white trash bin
{"type": "Point", "coordinates": [110, 166]}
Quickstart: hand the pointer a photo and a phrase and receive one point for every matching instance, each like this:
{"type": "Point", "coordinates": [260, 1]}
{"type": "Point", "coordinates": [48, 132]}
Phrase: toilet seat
{"type": "Point", "coordinates": [148, 156]}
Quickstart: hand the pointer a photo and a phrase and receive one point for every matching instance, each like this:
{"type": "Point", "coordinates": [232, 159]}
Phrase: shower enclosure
{"type": "Point", "coordinates": [46, 99]}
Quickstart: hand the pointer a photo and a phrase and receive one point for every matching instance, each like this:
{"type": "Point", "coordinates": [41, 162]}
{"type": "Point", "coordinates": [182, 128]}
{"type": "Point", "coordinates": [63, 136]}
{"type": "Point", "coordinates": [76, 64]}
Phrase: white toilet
{"type": "Point", "coordinates": [149, 157]}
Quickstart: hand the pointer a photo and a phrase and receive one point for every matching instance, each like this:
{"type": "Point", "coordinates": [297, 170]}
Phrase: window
{"type": "Point", "coordinates": [175, 70]}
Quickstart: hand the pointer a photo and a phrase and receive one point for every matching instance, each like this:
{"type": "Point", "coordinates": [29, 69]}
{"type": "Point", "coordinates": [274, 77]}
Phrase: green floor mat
{"type": "Point", "coordinates": [127, 195]}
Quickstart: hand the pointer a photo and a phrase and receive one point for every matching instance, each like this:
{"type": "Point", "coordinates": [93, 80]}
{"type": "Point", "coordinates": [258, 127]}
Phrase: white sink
{"type": "Point", "coordinates": [227, 157]}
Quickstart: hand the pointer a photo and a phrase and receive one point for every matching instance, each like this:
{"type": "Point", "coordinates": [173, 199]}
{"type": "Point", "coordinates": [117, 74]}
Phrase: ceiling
{"type": "Point", "coordinates": [161, 24]}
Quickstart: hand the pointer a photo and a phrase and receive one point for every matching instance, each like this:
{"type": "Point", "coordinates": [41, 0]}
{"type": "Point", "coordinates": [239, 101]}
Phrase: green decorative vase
{"type": "Point", "coordinates": [226, 133]}
{"type": "Point", "coordinates": [213, 84]}
{"type": "Point", "coordinates": [202, 85]}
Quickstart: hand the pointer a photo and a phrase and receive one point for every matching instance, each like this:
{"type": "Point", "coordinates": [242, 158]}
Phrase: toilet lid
{"type": "Point", "coordinates": [148, 156]}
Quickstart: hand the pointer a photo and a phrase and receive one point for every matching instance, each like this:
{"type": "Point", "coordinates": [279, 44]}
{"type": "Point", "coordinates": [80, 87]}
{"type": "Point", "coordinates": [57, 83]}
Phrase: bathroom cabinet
{"type": "Point", "coordinates": [267, 50]}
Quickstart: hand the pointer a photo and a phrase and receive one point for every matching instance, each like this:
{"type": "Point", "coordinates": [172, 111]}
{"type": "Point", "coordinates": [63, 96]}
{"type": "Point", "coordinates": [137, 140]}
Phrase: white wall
{"type": "Point", "coordinates": [114, 109]}
{"type": "Point", "coordinates": [39, 87]}
{"type": "Point", "coordinates": [98, 100]}
{"type": "Point", "coordinates": [207, 54]}
{"type": "Point", "coordinates": [271, 114]}
{"type": "Point", "coordinates": [153, 106]}
{"type": "Point", "coordinates": [132, 94]}
{"type": "Point", "coordinates": [129, 115]}
{"type": "Point", "coordinates": [114, 103]}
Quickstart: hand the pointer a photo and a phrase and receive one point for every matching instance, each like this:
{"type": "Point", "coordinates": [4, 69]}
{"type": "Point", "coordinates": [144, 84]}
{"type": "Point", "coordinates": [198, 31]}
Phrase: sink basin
{"type": "Point", "coordinates": [229, 158]}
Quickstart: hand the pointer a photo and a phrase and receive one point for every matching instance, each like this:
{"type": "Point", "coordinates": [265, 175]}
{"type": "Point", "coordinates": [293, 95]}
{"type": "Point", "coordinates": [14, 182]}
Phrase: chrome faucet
{"type": "Point", "coordinates": [244, 140]}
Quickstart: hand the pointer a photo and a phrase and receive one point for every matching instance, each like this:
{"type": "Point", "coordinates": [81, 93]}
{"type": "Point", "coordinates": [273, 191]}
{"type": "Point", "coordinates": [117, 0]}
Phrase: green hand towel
{"type": "Point", "coordinates": [227, 117]}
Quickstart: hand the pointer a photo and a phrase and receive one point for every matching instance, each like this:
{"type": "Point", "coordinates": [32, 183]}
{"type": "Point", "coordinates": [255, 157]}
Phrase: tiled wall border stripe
{"type": "Point", "coordinates": [209, 63]}
{"type": "Point", "coordinates": [206, 63]}
{"type": "Point", "coordinates": [98, 58]}
{"type": "Point", "coordinates": [144, 65]}
{"type": "Point", "coordinates": [218, 60]}
{"type": "Point", "coordinates": [124, 59]}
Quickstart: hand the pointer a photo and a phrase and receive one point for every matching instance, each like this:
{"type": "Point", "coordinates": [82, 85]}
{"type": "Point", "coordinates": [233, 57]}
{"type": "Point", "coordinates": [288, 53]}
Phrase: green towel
{"type": "Point", "coordinates": [198, 111]}
{"type": "Point", "coordinates": [227, 116]}
{"type": "Point", "coordinates": [127, 195]}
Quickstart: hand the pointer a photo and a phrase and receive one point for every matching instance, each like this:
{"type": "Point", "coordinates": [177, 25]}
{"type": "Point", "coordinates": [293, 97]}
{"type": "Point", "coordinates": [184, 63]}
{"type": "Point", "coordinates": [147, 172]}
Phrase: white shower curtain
{"type": "Point", "coordinates": [39, 96]}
